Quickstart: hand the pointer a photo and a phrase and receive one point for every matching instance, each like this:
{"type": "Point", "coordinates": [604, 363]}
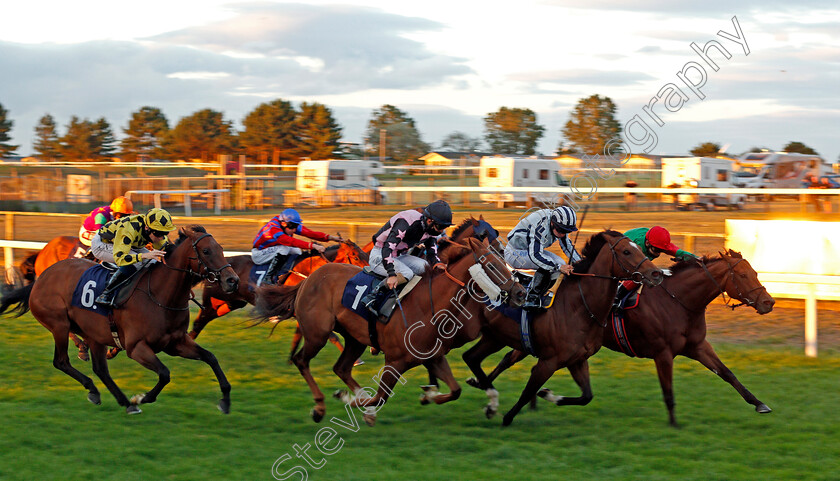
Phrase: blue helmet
{"type": "Point", "coordinates": [291, 215]}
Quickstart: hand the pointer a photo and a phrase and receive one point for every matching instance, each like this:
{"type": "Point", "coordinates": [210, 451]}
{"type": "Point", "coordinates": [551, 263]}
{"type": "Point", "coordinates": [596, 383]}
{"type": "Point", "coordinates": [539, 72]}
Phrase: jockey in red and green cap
{"type": "Point", "coordinates": [656, 240]}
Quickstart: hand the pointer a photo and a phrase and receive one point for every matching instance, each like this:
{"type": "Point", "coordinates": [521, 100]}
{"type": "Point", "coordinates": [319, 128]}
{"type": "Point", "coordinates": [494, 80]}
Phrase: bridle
{"type": "Point", "coordinates": [745, 301]}
{"type": "Point", "coordinates": [209, 275]}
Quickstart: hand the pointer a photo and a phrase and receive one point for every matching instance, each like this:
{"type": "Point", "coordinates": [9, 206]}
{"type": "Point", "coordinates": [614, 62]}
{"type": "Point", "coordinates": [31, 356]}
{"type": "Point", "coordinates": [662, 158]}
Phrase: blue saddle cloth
{"type": "Point", "coordinates": [524, 318]}
{"type": "Point", "coordinates": [355, 290]}
{"type": "Point", "coordinates": [255, 278]}
{"type": "Point", "coordinates": [91, 284]}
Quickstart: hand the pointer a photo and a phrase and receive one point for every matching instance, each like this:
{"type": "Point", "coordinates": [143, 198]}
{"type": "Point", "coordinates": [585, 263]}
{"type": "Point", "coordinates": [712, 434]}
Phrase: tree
{"type": "Point", "coordinates": [144, 134]}
{"type": "Point", "coordinates": [706, 149]}
{"type": "Point", "coordinates": [460, 142]}
{"type": "Point", "coordinates": [202, 135]}
{"type": "Point", "coordinates": [269, 132]}
{"type": "Point", "coordinates": [592, 124]}
{"type": "Point", "coordinates": [403, 141]}
{"type": "Point", "coordinates": [316, 132]}
{"type": "Point", "coordinates": [103, 139]}
{"type": "Point", "coordinates": [79, 143]}
{"type": "Point", "coordinates": [6, 149]}
{"type": "Point", "coordinates": [799, 147]}
{"type": "Point", "coordinates": [47, 144]}
{"type": "Point", "coordinates": [512, 131]}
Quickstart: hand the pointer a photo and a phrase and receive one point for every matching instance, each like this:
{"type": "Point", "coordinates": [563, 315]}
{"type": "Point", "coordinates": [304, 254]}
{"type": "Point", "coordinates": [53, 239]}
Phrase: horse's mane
{"type": "Point", "coordinates": [680, 266]}
{"type": "Point", "coordinates": [183, 234]}
{"type": "Point", "coordinates": [591, 249]}
{"type": "Point", "coordinates": [466, 224]}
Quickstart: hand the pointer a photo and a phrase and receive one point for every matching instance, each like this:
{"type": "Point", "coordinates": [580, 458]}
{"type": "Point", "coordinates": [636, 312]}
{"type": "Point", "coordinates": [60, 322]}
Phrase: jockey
{"type": "Point", "coordinates": [653, 241]}
{"type": "Point", "coordinates": [656, 240]}
{"type": "Point", "coordinates": [120, 207]}
{"type": "Point", "coordinates": [407, 229]}
{"type": "Point", "coordinates": [123, 242]}
{"type": "Point", "coordinates": [527, 244]}
{"type": "Point", "coordinates": [275, 243]}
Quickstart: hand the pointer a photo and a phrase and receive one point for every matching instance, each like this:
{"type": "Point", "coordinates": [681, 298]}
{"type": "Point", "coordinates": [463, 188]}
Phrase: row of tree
{"type": "Point", "coordinates": [276, 132]}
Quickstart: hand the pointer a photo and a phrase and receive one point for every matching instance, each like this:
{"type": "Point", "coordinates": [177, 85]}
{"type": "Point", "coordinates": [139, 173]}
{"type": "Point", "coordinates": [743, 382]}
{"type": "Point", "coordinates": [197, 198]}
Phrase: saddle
{"type": "Point", "coordinates": [388, 302]}
{"type": "Point", "coordinates": [524, 277]}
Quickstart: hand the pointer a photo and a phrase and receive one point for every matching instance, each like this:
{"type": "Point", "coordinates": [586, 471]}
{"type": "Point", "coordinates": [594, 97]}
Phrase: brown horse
{"type": "Point", "coordinates": [420, 332]}
{"type": "Point", "coordinates": [153, 319]}
{"type": "Point", "coordinates": [57, 249]}
{"type": "Point", "coordinates": [216, 303]}
{"type": "Point", "coordinates": [671, 321]}
{"type": "Point", "coordinates": [570, 331]}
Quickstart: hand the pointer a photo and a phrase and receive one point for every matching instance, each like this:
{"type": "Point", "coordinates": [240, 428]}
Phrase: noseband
{"type": "Point", "coordinates": [209, 275]}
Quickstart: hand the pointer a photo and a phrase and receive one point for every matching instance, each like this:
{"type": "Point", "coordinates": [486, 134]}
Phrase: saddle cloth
{"type": "Point", "coordinates": [385, 303]}
{"type": "Point", "coordinates": [255, 277]}
{"type": "Point", "coordinates": [91, 284]}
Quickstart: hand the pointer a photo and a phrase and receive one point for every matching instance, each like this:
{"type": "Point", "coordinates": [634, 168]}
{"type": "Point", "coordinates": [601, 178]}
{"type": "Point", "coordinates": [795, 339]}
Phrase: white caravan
{"type": "Point", "coordinates": [701, 172]}
{"type": "Point", "coordinates": [779, 170]}
{"type": "Point", "coordinates": [518, 171]}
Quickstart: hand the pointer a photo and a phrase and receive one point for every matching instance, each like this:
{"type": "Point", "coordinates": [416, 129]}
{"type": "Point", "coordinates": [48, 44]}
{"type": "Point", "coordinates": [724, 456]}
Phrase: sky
{"type": "Point", "coordinates": [447, 64]}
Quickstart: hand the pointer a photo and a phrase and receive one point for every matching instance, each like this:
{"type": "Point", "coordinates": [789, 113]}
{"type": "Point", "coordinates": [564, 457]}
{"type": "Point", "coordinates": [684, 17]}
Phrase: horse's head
{"type": "Point", "coordinates": [626, 259]}
{"type": "Point", "coordinates": [209, 262]}
{"type": "Point", "coordinates": [350, 253]}
{"type": "Point", "coordinates": [476, 228]}
{"type": "Point", "coordinates": [742, 283]}
{"type": "Point", "coordinates": [491, 273]}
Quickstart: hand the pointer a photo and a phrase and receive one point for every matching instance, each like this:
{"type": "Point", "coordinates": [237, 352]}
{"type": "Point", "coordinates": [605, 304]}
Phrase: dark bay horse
{"type": "Point", "coordinates": [421, 332]}
{"type": "Point", "coordinates": [569, 332]}
{"type": "Point", "coordinates": [155, 317]}
{"type": "Point", "coordinates": [216, 303]}
{"type": "Point", "coordinates": [670, 321]}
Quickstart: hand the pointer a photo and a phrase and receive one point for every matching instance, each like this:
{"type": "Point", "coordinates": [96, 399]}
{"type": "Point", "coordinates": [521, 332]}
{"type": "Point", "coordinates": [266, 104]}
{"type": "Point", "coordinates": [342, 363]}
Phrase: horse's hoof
{"type": "Point", "coordinates": [339, 394]}
{"type": "Point", "coordinates": [83, 355]}
{"type": "Point", "coordinates": [316, 415]}
{"type": "Point", "coordinates": [473, 382]}
{"type": "Point", "coordinates": [370, 419]}
{"type": "Point", "coordinates": [507, 420]}
{"type": "Point", "coordinates": [94, 398]}
{"type": "Point", "coordinates": [543, 392]}
{"type": "Point", "coordinates": [424, 400]}
{"type": "Point", "coordinates": [490, 411]}
{"type": "Point", "coordinates": [763, 409]}
{"type": "Point", "coordinates": [133, 409]}
{"type": "Point", "coordinates": [224, 406]}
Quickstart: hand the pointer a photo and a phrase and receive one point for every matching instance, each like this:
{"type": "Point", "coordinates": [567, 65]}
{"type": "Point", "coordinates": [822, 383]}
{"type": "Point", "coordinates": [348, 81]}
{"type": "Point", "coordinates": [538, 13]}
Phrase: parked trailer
{"type": "Point", "coordinates": [701, 172]}
{"type": "Point", "coordinates": [517, 171]}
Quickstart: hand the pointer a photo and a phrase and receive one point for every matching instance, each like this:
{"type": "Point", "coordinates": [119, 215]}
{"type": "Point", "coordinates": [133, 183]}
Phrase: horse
{"type": "Point", "coordinates": [424, 339]}
{"type": "Point", "coordinates": [153, 319]}
{"type": "Point", "coordinates": [671, 321]}
{"type": "Point", "coordinates": [570, 331]}
{"type": "Point", "coordinates": [57, 249]}
{"type": "Point", "coordinates": [216, 303]}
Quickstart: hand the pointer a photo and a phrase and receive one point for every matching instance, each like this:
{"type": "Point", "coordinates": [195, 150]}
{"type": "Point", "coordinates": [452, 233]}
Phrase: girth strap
{"type": "Point", "coordinates": [621, 334]}
{"type": "Point", "coordinates": [113, 326]}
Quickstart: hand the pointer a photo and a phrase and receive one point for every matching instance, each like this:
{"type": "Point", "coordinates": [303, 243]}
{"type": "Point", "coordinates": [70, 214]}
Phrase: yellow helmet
{"type": "Point", "coordinates": [122, 205]}
{"type": "Point", "coordinates": [160, 220]}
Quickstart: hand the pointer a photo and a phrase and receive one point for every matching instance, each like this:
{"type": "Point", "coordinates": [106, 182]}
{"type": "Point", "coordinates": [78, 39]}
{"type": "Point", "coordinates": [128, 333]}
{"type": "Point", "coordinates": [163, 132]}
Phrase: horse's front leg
{"type": "Point", "coordinates": [187, 348]}
{"type": "Point", "coordinates": [438, 366]}
{"type": "Point", "coordinates": [580, 373]}
{"type": "Point", "coordinates": [100, 368]}
{"type": "Point", "coordinates": [386, 378]}
{"type": "Point", "coordinates": [473, 357]}
{"type": "Point", "coordinates": [705, 353]}
{"type": "Point", "coordinates": [343, 368]}
{"type": "Point", "coordinates": [146, 357]}
{"type": "Point", "coordinates": [665, 370]}
{"type": "Point", "coordinates": [540, 373]}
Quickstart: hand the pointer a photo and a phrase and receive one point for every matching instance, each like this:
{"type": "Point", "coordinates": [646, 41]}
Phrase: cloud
{"type": "Point", "coordinates": [581, 77]}
{"type": "Point", "coordinates": [711, 8]}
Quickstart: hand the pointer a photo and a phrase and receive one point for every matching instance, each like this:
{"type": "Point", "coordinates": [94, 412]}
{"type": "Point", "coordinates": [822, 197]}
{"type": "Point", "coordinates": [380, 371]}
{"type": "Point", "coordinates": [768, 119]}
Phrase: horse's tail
{"type": "Point", "coordinates": [27, 267]}
{"type": "Point", "coordinates": [276, 301]}
{"type": "Point", "coordinates": [19, 297]}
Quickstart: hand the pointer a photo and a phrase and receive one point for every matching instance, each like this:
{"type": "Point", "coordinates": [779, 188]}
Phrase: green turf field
{"type": "Point", "coordinates": [51, 431]}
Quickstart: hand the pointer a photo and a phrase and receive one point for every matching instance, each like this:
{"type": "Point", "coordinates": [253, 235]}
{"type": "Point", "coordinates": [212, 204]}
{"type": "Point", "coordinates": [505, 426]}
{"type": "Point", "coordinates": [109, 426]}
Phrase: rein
{"type": "Point", "coordinates": [748, 302]}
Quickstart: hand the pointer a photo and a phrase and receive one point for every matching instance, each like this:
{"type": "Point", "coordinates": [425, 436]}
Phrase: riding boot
{"type": "Point", "coordinates": [273, 268]}
{"type": "Point", "coordinates": [108, 295]}
{"type": "Point", "coordinates": [287, 266]}
{"type": "Point", "coordinates": [371, 296]}
{"type": "Point", "coordinates": [539, 285]}
{"type": "Point", "coordinates": [620, 294]}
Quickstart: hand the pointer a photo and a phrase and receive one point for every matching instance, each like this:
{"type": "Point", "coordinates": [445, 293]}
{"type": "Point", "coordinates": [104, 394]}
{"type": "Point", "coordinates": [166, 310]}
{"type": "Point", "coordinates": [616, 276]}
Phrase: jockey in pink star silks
{"type": "Point", "coordinates": [400, 234]}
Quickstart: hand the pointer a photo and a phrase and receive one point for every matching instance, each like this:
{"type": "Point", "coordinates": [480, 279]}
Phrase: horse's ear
{"type": "Point", "coordinates": [735, 254]}
{"type": "Point", "coordinates": [480, 216]}
{"type": "Point", "coordinates": [182, 233]}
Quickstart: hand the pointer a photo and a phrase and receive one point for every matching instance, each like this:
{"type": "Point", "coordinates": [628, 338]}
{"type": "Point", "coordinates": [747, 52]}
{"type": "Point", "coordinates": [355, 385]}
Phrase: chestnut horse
{"type": "Point", "coordinates": [671, 321]}
{"type": "Point", "coordinates": [57, 249]}
{"type": "Point", "coordinates": [216, 303]}
{"type": "Point", "coordinates": [569, 332]}
{"type": "Point", "coordinates": [419, 332]}
{"type": "Point", "coordinates": [155, 317]}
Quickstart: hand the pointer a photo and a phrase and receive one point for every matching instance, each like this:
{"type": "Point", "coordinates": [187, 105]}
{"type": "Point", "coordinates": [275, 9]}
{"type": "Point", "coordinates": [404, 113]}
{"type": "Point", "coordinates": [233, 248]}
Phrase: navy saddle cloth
{"type": "Point", "coordinates": [91, 284]}
{"type": "Point", "coordinates": [355, 290]}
